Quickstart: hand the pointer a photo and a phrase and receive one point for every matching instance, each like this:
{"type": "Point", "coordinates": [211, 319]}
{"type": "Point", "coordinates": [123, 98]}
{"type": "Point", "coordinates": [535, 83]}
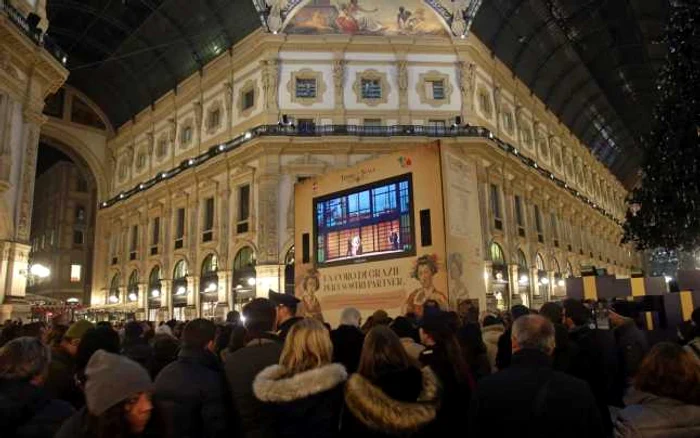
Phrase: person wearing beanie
{"type": "Point", "coordinates": [632, 344]}
{"type": "Point", "coordinates": [347, 339]}
{"type": "Point", "coordinates": [118, 400]}
{"type": "Point", "coordinates": [407, 334]}
{"type": "Point", "coordinates": [60, 382]}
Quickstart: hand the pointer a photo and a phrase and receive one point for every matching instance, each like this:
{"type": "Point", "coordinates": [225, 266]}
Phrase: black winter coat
{"type": "Point", "coordinates": [192, 396]}
{"type": "Point", "coordinates": [632, 346]}
{"type": "Point", "coordinates": [306, 404]}
{"type": "Point", "coordinates": [347, 346]}
{"type": "Point", "coordinates": [401, 403]}
{"type": "Point", "coordinates": [60, 383]}
{"type": "Point", "coordinates": [505, 350]}
{"type": "Point", "coordinates": [26, 411]}
{"type": "Point", "coordinates": [286, 326]}
{"type": "Point", "coordinates": [530, 399]}
{"type": "Point", "coordinates": [241, 368]}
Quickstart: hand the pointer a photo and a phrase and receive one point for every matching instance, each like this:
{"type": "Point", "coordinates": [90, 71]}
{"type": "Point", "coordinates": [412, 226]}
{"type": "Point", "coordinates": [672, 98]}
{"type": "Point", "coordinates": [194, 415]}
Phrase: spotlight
{"type": "Point", "coordinates": [515, 151]}
{"type": "Point", "coordinates": [155, 293]}
{"type": "Point", "coordinates": [121, 196]}
{"type": "Point", "coordinates": [104, 204]}
{"type": "Point", "coordinates": [668, 279]}
{"type": "Point", "coordinates": [190, 161]}
{"type": "Point", "coordinates": [222, 147]}
{"type": "Point", "coordinates": [113, 299]}
{"type": "Point", "coordinates": [458, 122]}
{"type": "Point", "coordinates": [181, 290]}
{"type": "Point", "coordinates": [251, 281]}
{"type": "Point", "coordinates": [248, 135]}
{"type": "Point", "coordinates": [544, 281]}
{"type": "Point", "coordinates": [561, 283]}
{"type": "Point", "coordinates": [211, 287]}
{"type": "Point", "coordinates": [524, 279]}
{"type": "Point", "coordinates": [132, 297]}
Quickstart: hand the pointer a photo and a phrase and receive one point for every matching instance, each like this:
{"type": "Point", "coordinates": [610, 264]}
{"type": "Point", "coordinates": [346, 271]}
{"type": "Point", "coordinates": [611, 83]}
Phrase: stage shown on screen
{"type": "Point", "coordinates": [368, 222]}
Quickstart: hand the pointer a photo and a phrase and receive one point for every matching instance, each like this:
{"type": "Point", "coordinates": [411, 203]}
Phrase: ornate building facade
{"type": "Point", "coordinates": [200, 212]}
{"type": "Point", "coordinates": [31, 68]}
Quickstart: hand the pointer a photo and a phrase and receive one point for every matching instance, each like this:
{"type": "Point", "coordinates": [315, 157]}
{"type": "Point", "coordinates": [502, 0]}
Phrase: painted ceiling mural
{"type": "Point", "coordinates": [365, 17]}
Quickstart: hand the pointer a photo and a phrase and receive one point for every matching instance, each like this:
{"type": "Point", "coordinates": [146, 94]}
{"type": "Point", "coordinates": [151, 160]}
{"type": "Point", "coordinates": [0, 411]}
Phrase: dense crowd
{"type": "Point", "coordinates": [269, 374]}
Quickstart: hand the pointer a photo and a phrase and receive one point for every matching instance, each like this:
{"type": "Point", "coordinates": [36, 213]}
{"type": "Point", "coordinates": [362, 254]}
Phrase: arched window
{"type": "Point", "coordinates": [289, 271]}
{"type": "Point", "coordinates": [498, 287]}
{"type": "Point", "coordinates": [132, 289]}
{"type": "Point", "coordinates": [244, 278]}
{"type": "Point", "coordinates": [154, 283]}
{"type": "Point", "coordinates": [180, 283]}
{"type": "Point", "coordinates": [209, 280]}
{"type": "Point", "coordinates": [542, 277]}
{"type": "Point", "coordinates": [497, 254]}
{"type": "Point", "coordinates": [539, 262]}
{"type": "Point", "coordinates": [114, 289]}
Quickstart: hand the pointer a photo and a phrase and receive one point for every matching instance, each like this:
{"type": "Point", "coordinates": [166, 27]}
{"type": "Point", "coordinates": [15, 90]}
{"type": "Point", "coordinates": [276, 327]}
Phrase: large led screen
{"type": "Point", "coordinates": [369, 222]}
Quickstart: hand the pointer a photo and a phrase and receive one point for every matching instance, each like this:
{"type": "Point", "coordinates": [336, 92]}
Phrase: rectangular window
{"type": "Point", "coordinates": [76, 273]}
{"type": "Point", "coordinates": [555, 230]}
{"type": "Point", "coordinates": [208, 220]}
{"type": "Point", "coordinates": [179, 228]}
{"type": "Point", "coordinates": [371, 89]}
{"type": "Point", "coordinates": [78, 237]}
{"type": "Point", "coordinates": [243, 208]}
{"type": "Point", "coordinates": [133, 245]}
{"type": "Point", "coordinates": [538, 225]}
{"type": "Point", "coordinates": [214, 118]}
{"type": "Point", "coordinates": [155, 231]}
{"type": "Point", "coordinates": [519, 217]}
{"type": "Point", "coordinates": [306, 88]}
{"type": "Point", "coordinates": [496, 207]}
{"type": "Point", "coordinates": [249, 99]}
{"type": "Point", "coordinates": [438, 89]}
{"type": "Point", "coordinates": [187, 135]}
{"type": "Point", "coordinates": [80, 214]}
{"type": "Point", "coordinates": [306, 125]}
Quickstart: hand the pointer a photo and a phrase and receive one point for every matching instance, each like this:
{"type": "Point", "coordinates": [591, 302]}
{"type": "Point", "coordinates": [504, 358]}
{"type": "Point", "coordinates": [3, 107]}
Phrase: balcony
{"type": "Point", "coordinates": [32, 32]}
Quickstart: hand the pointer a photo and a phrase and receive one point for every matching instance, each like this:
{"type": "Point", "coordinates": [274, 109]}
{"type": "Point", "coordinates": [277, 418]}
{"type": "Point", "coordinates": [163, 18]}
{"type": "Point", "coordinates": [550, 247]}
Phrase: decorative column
{"type": "Point", "coordinates": [514, 297]}
{"type": "Point", "coordinates": [270, 83]}
{"type": "Point", "coordinates": [268, 265]}
{"type": "Point", "coordinates": [166, 298]}
{"type": "Point", "coordinates": [402, 80]}
{"type": "Point", "coordinates": [467, 82]}
{"type": "Point", "coordinates": [339, 66]}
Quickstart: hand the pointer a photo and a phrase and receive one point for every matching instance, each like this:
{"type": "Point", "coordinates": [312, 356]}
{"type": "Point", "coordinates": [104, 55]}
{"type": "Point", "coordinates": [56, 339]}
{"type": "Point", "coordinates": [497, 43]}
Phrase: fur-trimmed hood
{"type": "Point", "coordinates": [270, 385]}
{"type": "Point", "coordinates": [379, 412]}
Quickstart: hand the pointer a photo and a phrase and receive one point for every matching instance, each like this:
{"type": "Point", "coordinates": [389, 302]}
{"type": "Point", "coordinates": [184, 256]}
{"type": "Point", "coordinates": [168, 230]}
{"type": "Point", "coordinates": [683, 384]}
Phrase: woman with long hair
{"type": "Point", "coordinates": [304, 393]}
{"type": "Point", "coordinates": [665, 398]}
{"type": "Point", "coordinates": [389, 395]}
{"type": "Point", "coordinates": [118, 401]}
{"type": "Point", "coordinates": [445, 357]}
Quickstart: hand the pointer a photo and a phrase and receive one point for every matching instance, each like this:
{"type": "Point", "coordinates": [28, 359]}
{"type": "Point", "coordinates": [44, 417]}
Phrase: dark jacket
{"type": "Point", "coordinates": [306, 404]}
{"type": "Point", "coordinates": [286, 326]}
{"type": "Point", "coordinates": [241, 368]}
{"type": "Point", "coordinates": [27, 411]}
{"type": "Point", "coordinates": [632, 346]}
{"type": "Point", "coordinates": [505, 349]}
{"type": "Point", "coordinates": [400, 403]}
{"type": "Point", "coordinates": [76, 427]}
{"type": "Point", "coordinates": [564, 350]}
{"type": "Point", "coordinates": [650, 416]}
{"type": "Point", "coordinates": [347, 346]}
{"type": "Point", "coordinates": [191, 395]}
{"type": "Point", "coordinates": [595, 362]}
{"type": "Point", "coordinates": [531, 399]}
{"type": "Point", "coordinates": [455, 391]}
{"type": "Point", "coordinates": [60, 382]}
{"type": "Point", "coordinates": [139, 352]}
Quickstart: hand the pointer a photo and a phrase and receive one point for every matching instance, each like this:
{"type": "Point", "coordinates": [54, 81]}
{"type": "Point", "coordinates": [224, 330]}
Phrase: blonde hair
{"type": "Point", "coordinates": [308, 346]}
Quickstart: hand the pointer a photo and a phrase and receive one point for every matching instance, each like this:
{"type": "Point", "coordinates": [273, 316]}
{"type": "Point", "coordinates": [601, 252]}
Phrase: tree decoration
{"type": "Point", "coordinates": [665, 207]}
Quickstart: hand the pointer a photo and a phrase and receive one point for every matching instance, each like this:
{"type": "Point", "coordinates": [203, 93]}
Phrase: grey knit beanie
{"type": "Point", "coordinates": [112, 378]}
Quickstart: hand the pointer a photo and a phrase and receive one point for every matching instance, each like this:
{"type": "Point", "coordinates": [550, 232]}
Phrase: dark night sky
{"type": "Point", "coordinates": [48, 156]}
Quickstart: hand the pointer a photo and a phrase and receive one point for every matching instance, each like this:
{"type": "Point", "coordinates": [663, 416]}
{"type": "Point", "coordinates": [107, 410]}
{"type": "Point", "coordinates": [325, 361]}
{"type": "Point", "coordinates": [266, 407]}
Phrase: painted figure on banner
{"type": "Point", "coordinates": [309, 306]}
{"type": "Point", "coordinates": [367, 17]}
{"type": "Point", "coordinates": [458, 290]}
{"type": "Point", "coordinates": [425, 268]}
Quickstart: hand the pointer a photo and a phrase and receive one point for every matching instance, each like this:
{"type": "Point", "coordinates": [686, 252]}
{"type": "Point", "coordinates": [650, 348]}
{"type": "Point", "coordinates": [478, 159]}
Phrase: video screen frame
{"type": "Point", "coordinates": [375, 256]}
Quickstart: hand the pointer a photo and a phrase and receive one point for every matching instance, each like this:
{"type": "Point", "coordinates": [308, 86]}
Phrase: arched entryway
{"type": "Point", "coordinates": [541, 289]}
{"type": "Point", "coordinates": [132, 290]}
{"type": "Point", "coordinates": [154, 293]}
{"type": "Point", "coordinates": [114, 285]}
{"type": "Point", "coordinates": [498, 294]}
{"type": "Point", "coordinates": [179, 292]}
{"type": "Point", "coordinates": [243, 279]}
{"type": "Point", "coordinates": [209, 285]}
{"type": "Point", "coordinates": [523, 295]}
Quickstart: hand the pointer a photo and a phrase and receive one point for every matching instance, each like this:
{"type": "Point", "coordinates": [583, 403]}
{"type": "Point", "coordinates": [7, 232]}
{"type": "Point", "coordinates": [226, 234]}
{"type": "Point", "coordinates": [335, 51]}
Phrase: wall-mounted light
{"type": "Point", "coordinates": [251, 281]}
{"type": "Point", "coordinates": [524, 279]}
{"type": "Point", "coordinates": [248, 135]}
{"type": "Point", "coordinates": [155, 293]}
{"type": "Point", "coordinates": [544, 281]}
{"type": "Point", "coordinates": [211, 287]}
{"type": "Point", "coordinates": [132, 296]}
{"type": "Point", "coordinates": [180, 290]}
{"type": "Point", "coordinates": [561, 283]}
{"type": "Point", "coordinates": [113, 299]}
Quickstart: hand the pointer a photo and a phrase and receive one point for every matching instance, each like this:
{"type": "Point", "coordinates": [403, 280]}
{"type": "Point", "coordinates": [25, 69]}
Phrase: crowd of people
{"type": "Point", "coordinates": [269, 374]}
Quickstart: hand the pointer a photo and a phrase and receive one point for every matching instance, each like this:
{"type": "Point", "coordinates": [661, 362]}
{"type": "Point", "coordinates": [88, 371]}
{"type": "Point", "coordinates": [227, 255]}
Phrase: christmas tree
{"type": "Point", "coordinates": [665, 208]}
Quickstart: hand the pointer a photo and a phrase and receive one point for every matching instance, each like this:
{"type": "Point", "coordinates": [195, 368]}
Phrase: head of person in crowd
{"type": "Point", "coordinates": [576, 314]}
{"type": "Point", "coordinates": [350, 316]}
{"type": "Point", "coordinates": [430, 304]}
{"type": "Point", "coordinates": [25, 358]}
{"type": "Point", "coordinates": [622, 311]}
{"type": "Point", "coordinates": [260, 316]}
{"type": "Point", "coordinates": [517, 311]}
{"type": "Point", "coordinates": [553, 312]}
{"type": "Point", "coordinates": [105, 324]}
{"type": "Point", "coordinates": [308, 346]}
{"type": "Point", "coordinates": [380, 317]}
{"type": "Point", "coordinates": [34, 330]}
{"type": "Point", "coordinates": [669, 371]}
{"type": "Point", "coordinates": [233, 317]}
{"type": "Point", "coordinates": [686, 331]}
{"type": "Point", "coordinates": [165, 349]}
{"type": "Point", "coordinates": [436, 332]}
{"type": "Point", "coordinates": [453, 320]}
{"type": "Point", "coordinates": [223, 338]}
{"type": "Point", "coordinates": [403, 328]}
{"type": "Point", "coordinates": [286, 306]}
{"type": "Point", "coordinates": [72, 338]}
{"type": "Point", "coordinates": [55, 334]}
{"type": "Point", "coordinates": [94, 339]}
{"type": "Point", "coordinates": [383, 355]}
{"type": "Point", "coordinates": [118, 396]}
{"type": "Point", "coordinates": [199, 334]}
{"type": "Point", "coordinates": [490, 320]}
{"type": "Point", "coordinates": [238, 339]}
{"type": "Point", "coordinates": [471, 340]}
{"type": "Point", "coordinates": [133, 333]}
{"type": "Point", "coordinates": [533, 332]}
{"type": "Point", "coordinates": [9, 332]}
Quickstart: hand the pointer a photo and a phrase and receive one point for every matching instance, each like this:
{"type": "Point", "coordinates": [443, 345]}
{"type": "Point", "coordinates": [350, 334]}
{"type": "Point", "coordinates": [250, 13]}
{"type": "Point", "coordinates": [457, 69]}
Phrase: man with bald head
{"type": "Point", "coordinates": [531, 399]}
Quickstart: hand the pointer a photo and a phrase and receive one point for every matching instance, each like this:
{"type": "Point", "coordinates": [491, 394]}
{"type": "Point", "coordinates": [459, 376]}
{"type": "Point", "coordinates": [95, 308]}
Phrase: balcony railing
{"type": "Point", "coordinates": [35, 34]}
{"type": "Point", "coordinates": [464, 131]}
